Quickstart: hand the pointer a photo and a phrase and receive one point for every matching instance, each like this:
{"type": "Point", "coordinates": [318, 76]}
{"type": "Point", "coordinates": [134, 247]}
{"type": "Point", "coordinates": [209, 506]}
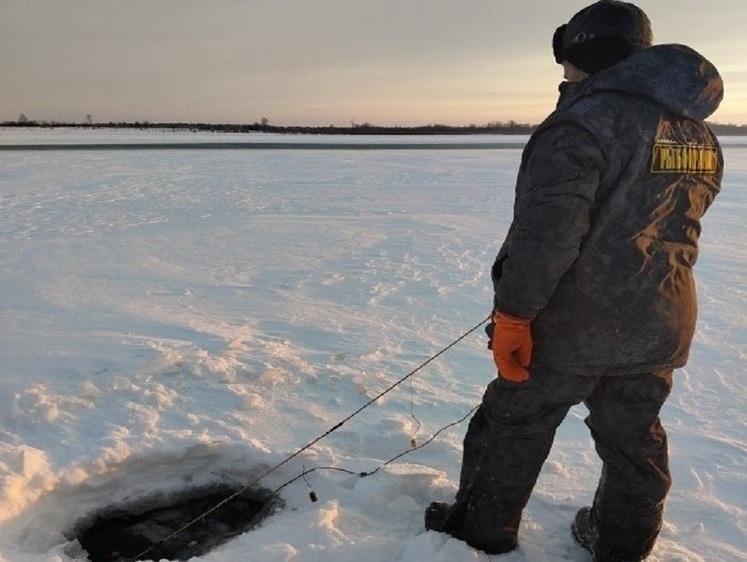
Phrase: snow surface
{"type": "Point", "coordinates": [179, 317]}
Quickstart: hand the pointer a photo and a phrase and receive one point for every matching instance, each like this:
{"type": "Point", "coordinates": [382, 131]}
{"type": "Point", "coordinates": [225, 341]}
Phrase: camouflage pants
{"type": "Point", "coordinates": [510, 436]}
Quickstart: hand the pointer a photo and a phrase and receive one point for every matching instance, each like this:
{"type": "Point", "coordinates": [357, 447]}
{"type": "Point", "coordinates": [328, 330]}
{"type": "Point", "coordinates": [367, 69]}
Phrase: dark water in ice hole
{"type": "Point", "coordinates": [124, 533]}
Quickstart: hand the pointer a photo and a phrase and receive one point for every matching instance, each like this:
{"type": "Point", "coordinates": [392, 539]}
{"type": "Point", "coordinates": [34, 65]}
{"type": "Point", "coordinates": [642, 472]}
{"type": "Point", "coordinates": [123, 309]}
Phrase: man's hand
{"type": "Point", "coordinates": [512, 346]}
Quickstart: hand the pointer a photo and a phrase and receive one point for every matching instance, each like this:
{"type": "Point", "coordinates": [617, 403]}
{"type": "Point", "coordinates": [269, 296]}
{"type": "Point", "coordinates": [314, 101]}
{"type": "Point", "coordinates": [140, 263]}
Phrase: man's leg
{"type": "Point", "coordinates": [506, 444]}
{"type": "Point", "coordinates": [624, 420]}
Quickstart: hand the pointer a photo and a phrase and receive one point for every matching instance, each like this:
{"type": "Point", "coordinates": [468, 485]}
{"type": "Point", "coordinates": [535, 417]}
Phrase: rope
{"type": "Point", "coordinates": [314, 442]}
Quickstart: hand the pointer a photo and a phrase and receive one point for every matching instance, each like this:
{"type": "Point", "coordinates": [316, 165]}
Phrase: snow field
{"type": "Point", "coordinates": [175, 318]}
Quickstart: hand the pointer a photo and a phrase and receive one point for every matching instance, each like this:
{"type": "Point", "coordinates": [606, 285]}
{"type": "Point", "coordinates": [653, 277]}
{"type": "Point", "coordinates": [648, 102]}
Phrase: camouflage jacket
{"type": "Point", "coordinates": [609, 197]}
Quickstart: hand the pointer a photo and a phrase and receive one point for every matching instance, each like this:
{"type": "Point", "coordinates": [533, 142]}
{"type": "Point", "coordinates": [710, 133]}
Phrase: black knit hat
{"type": "Point", "coordinates": [602, 35]}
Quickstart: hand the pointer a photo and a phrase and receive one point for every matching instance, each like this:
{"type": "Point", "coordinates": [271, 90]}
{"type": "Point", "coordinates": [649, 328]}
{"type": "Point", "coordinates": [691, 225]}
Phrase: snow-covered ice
{"type": "Point", "coordinates": [173, 318]}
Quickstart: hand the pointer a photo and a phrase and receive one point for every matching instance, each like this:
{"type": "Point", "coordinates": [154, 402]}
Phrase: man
{"type": "Point", "coordinates": [594, 291]}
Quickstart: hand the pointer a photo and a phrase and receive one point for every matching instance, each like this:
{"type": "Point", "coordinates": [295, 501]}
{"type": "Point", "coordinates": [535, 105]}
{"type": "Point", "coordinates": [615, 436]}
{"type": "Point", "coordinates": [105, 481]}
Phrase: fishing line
{"type": "Point", "coordinates": [374, 471]}
{"type": "Point", "coordinates": [315, 441]}
{"type": "Point", "coordinates": [414, 432]}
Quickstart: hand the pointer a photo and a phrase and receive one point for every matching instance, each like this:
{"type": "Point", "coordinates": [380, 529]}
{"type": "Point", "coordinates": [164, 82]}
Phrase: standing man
{"type": "Point", "coordinates": [594, 292]}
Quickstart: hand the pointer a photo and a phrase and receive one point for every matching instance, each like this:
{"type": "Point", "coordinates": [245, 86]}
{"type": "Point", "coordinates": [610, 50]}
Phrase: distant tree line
{"type": "Point", "coordinates": [508, 128]}
{"type": "Point", "coordinates": [496, 127]}
{"type": "Point", "coordinates": [721, 129]}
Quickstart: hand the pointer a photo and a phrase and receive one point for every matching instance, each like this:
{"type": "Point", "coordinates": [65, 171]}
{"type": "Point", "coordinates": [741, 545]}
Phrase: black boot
{"type": "Point", "coordinates": [585, 533]}
{"type": "Point", "coordinates": [437, 516]}
{"type": "Point", "coordinates": [445, 518]}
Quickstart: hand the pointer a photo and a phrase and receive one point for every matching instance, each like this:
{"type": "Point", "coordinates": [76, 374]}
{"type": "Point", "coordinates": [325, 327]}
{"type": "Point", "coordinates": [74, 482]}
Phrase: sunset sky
{"type": "Point", "coordinates": [319, 62]}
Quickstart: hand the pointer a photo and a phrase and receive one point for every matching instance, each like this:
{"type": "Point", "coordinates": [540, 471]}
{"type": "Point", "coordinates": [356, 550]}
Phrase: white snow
{"type": "Point", "coordinates": [170, 318]}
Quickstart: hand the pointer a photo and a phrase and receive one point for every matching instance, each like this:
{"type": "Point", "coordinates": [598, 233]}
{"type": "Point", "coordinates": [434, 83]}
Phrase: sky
{"type": "Point", "coordinates": [319, 62]}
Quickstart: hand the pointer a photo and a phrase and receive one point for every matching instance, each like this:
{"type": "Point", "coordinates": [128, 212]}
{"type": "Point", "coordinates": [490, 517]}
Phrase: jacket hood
{"type": "Point", "coordinates": [676, 76]}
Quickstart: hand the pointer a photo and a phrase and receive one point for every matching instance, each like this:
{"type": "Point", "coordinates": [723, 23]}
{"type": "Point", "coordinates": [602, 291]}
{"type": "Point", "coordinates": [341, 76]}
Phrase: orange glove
{"type": "Point", "coordinates": [512, 346]}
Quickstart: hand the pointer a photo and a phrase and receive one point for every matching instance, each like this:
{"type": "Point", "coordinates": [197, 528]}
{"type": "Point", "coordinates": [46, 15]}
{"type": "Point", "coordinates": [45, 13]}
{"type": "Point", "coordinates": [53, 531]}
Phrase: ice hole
{"type": "Point", "coordinates": [127, 532]}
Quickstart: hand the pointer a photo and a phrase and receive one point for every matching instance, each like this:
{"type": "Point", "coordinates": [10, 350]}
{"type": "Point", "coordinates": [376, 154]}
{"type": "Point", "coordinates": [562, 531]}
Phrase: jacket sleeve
{"type": "Point", "coordinates": [555, 191]}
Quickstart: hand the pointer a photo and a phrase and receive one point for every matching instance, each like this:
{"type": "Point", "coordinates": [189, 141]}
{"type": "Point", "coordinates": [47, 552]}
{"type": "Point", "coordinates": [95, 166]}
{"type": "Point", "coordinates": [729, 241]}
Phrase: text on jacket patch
{"type": "Point", "coordinates": [669, 158]}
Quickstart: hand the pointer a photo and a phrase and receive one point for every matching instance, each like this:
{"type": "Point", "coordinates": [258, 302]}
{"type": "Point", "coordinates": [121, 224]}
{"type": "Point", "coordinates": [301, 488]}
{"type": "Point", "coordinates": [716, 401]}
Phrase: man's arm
{"type": "Point", "coordinates": [557, 188]}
